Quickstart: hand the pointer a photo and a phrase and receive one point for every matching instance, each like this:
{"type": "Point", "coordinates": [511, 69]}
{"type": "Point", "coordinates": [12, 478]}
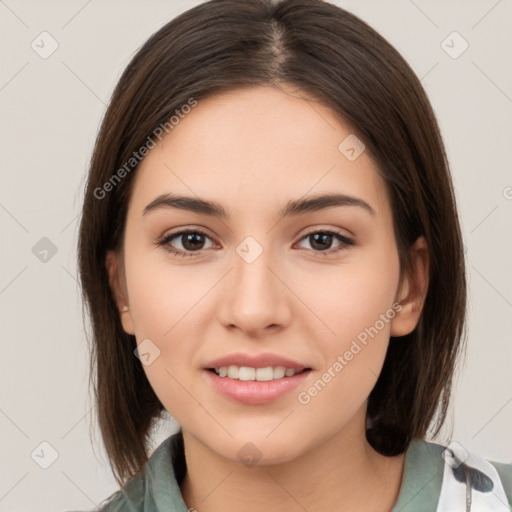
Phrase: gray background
{"type": "Point", "coordinates": [50, 111]}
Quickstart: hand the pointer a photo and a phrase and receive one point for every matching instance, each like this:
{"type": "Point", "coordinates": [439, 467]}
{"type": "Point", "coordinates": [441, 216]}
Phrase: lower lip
{"type": "Point", "coordinates": [253, 392]}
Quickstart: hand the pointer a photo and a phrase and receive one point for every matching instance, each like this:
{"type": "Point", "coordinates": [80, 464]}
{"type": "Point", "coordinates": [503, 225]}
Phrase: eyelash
{"type": "Point", "coordinates": [165, 241]}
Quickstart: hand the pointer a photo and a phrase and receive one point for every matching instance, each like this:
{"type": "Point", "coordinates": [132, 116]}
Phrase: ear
{"type": "Point", "coordinates": [413, 291]}
{"type": "Point", "coordinates": [117, 282]}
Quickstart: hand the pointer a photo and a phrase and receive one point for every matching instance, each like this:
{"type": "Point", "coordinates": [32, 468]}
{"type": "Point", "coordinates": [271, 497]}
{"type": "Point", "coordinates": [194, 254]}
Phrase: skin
{"type": "Point", "coordinates": [252, 150]}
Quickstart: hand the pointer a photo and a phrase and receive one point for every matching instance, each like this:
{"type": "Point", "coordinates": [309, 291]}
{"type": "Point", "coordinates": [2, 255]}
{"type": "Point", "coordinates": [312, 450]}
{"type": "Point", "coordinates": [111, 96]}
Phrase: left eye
{"type": "Point", "coordinates": [322, 240]}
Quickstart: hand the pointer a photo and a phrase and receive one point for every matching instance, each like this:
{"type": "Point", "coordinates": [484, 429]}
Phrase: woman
{"type": "Point", "coordinates": [270, 251]}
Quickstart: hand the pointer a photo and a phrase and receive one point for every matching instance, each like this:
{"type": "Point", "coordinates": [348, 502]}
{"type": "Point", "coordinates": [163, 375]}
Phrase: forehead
{"type": "Point", "coordinates": [257, 148]}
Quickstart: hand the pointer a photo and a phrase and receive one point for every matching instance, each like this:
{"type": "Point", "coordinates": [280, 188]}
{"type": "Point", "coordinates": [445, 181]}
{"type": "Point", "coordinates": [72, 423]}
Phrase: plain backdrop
{"type": "Point", "coordinates": [51, 109]}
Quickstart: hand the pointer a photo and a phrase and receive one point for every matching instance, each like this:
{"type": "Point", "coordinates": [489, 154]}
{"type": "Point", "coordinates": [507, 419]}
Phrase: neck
{"type": "Point", "coordinates": [344, 473]}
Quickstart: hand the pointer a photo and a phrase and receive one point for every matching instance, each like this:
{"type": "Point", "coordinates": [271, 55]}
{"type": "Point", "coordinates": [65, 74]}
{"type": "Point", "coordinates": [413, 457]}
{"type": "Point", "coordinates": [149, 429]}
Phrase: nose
{"type": "Point", "coordinates": [256, 296]}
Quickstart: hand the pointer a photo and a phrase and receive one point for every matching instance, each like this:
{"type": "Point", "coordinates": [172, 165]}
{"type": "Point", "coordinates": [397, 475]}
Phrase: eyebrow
{"type": "Point", "coordinates": [291, 208]}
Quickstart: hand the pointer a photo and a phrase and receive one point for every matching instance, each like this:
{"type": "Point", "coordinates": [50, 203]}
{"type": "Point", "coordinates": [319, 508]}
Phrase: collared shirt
{"type": "Point", "coordinates": [435, 479]}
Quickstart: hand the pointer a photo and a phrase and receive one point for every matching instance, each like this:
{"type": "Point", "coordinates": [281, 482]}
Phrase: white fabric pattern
{"type": "Point", "coordinates": [470, 483]}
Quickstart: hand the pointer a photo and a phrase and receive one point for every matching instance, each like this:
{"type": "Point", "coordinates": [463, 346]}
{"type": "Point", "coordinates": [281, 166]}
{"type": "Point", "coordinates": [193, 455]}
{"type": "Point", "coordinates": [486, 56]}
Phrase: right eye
{"type": "Point", "coordinates": [191, 240]}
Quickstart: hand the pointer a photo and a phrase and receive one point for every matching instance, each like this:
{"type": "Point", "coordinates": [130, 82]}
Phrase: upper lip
{"type": "Point", "coordinates": [255, 361]}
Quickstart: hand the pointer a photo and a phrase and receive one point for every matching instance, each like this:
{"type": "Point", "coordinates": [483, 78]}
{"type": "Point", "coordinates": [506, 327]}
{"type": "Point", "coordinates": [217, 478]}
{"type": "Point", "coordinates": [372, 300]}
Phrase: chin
{"type": "Point", "coordinates": [255, 448]}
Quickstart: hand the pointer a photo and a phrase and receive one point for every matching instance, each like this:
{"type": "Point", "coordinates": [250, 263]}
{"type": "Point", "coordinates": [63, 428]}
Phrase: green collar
{"type": "Point", "coordinates": [422, 478]}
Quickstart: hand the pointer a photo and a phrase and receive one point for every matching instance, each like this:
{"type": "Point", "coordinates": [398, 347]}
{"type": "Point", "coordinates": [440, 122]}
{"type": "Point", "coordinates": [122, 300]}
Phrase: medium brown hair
{"type": "Point", "coordinates": [333, 56]}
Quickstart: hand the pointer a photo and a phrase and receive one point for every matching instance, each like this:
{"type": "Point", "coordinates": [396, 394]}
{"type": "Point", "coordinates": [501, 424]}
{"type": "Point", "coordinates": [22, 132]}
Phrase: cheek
{"type": "Point", "coordinates": [163, 305]}
{"type": "Point", "coordinates": [352, 296]}
{"type": "Point", "coordinates": [359, 311]}
{"type": "Point", "coordinates": [356, 302]}
{"type": "Point", "coordinates": [163, 296]}
{"type": "Point", "coordinates": [170, 305]}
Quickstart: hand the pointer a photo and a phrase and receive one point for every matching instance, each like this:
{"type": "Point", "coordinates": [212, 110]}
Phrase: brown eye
{"type": "Point", "coordinates": [321, 241]}
{"type": "Point", "coordinates": [191, 241]}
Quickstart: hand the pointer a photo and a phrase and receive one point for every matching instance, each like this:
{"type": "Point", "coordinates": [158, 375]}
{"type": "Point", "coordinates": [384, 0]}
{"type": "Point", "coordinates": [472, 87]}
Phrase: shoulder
{"type": "Point", "coordinates": [155, 483]}
{"type": "Point", "coordinates": [130, 497]}
{"type": "Point", "coordinates": [441, 478]}
{"type": "Point", "coordinates": [468, 476]}
{"type": "Point", "coordinates": [504, 471]}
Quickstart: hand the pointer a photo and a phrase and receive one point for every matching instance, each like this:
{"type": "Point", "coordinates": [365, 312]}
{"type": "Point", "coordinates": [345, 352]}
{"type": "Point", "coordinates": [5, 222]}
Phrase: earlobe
{"type": "Point", "coordinates": [118, 288]}
{"type": "Point", "coordinates": [413, 291]}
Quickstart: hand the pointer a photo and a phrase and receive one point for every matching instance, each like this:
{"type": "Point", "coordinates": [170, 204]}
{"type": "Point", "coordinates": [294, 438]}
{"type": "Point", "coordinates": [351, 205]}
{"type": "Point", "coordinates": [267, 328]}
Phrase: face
{"type": "Point", "coordinates": [314, 289]}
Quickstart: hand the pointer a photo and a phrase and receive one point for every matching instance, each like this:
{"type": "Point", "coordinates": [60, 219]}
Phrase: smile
{"type": "Point", "coordinates": [247, 373]}
{"type": "Point", "coordinates": [252, 391]}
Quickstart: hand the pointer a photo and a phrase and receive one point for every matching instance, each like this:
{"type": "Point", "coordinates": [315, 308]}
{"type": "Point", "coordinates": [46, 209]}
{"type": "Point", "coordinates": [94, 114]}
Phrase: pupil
{"type": "Point", "coordinates": [193, 240]}
{"type": "Point", "coordinates": [322, 236]}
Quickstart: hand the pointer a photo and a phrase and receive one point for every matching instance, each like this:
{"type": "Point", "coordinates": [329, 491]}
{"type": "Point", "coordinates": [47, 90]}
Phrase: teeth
{"type": "Point", "coordinates": [244, 373]}
{"type": "Point", "coordinates": [233, 372]}
{"type": "Point", "coordinates": [259, 374]}
{"type": "Point", "coordinates": [280, 372]}
{"type": "Point", "coordinates": [262, 374]}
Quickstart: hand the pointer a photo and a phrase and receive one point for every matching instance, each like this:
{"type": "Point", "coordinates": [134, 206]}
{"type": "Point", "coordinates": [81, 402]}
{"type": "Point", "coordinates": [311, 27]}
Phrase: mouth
{"type": "Point", "coordinates": [247, 373]}
{"type": "Point", "coordinates": [255, 379]}
{"type": "Point", "coordinates": [255, 386]}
